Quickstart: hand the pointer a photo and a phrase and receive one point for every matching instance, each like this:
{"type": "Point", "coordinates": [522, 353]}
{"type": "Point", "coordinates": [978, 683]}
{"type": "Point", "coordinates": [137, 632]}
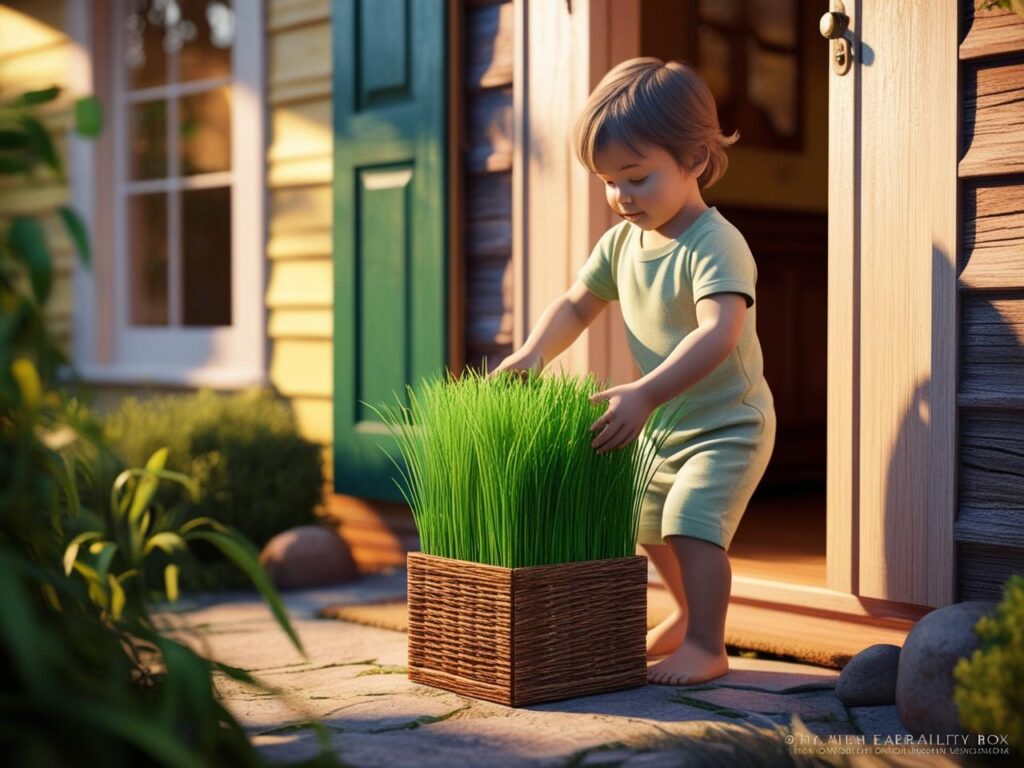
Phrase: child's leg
{"type": "Point", "coordinates": [669, 634]}
{"type": "Point", "coordinates": [707, 582]}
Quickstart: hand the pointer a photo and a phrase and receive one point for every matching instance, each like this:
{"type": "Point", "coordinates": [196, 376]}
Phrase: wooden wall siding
{"type": "Point", "coordinates": [35, 52]}
{"type": "Point", "coordinates": [489, 37]}
{"type": "Point", "coordinates": [994, 117]}
{"type": "Point", "coordinates": [993, 234]}
{"type": "Point", "coordinates": [989, 33]}
{"type": "Point", "coordinates": [299, 292]}
{"type": "Point", "coordinates": [989, 528]}
{"type": "Point", "coordinates": [992, 350]}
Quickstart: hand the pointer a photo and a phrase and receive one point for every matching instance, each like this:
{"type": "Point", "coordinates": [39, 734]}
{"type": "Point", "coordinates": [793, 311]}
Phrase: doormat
{"type": "Point", "coordinates": [394, 614]}
{"type": "Point", "coordinates": [386, 614]}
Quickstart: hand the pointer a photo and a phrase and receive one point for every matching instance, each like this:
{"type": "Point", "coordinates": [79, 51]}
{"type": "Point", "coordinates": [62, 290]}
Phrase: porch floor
{"type": "Point", "coordinates": [355, 682]}
{"type": "Point", "coordinates": [782, 537]}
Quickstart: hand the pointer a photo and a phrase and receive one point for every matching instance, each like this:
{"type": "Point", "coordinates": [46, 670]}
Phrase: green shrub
{"type": "Point", "coordinates": [85, 677]}
{"type": "Point", "coordinates": [254, 471]}
{"type": "Point", "coordinates": [989, 690]}
{"type": "Point", "coordinates": [501, 470]}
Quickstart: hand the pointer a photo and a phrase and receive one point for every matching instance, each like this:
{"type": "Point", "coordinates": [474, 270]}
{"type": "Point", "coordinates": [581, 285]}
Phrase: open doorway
{"type": "Point", "coordinates": [768, 68]}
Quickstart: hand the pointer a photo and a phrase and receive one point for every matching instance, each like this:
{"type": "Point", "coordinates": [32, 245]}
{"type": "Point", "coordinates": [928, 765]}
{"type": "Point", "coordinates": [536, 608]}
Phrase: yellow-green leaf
{"type": "Point", "coordinates": [71, 553]}
{"type": "Point", "coordinates": [198, 521]}
{"type": "Point", "coordinates": [116, 597]}
{"type": "Point", "coordinates": [147, 485]}
{"type": "Point", "coordinates": [25, 374]}
{"type": "Point", "coordinates": [166, 541]}
{"type": "Point", "coordinates": [171, 582]}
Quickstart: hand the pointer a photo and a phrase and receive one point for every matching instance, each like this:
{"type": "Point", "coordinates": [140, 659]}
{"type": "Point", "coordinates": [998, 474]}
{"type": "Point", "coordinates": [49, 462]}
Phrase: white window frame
{"type": "Point", "coordinates": [106, 348]}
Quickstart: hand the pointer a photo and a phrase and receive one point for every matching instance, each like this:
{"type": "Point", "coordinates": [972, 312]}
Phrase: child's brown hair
{"type": "Point", "coordinates": [650, 101]}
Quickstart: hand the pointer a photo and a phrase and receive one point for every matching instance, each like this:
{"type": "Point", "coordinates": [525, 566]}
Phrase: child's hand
{"type": "Point", "coordinates": [520, 363]}
{"type": "Point", "coordinates": [629, 407]}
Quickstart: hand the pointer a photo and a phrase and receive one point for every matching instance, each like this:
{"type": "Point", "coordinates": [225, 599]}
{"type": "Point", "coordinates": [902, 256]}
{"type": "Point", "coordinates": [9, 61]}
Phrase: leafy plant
{"type": "Point", "coordinates": [254, 471]}
{"type": "Point", "coordinates": [85, 677]}
{"type": "Point", "coordinates": [501, 470]}
{"type": "Point", "coordinates": [989, 690]}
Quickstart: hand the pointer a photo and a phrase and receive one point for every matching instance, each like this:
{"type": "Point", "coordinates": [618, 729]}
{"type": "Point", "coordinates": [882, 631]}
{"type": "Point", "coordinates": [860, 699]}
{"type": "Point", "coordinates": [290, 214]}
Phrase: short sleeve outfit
{"type": "Point", "coordinates": [723, 438]}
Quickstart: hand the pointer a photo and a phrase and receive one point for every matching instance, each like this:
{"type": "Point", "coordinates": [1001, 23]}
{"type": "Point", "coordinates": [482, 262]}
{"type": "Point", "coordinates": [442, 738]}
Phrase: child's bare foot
{"type": "Point", "coordinates": [667, 636]}
{"type": "Point", "coordinates": [690, 664]}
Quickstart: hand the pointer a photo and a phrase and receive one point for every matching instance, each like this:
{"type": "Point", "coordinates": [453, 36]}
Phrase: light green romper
{"type": "Point", "coordinates": [719, 449]}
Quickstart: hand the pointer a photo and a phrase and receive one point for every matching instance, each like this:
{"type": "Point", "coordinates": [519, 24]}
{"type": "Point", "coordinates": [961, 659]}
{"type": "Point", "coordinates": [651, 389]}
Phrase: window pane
{"type": "Point", "coordinates": [148, 272]}
{"type": "Point", "coordinates": [722, 11]}
{"type": "Point", "coordinates": [771, 80]}
{"type": "Point", "coordinates": [144, 52]}
{"type": "Point", "coordinates": [206, 132]}
{"type": "Point", "coordinates": [207, 53]}
{"type": "Point", "coordinates": [206, 256]}
{"type": "Point", "coordinates": [147, 122]}
{"type": "Point", "coordinates": [714, 56]}
{"type": "Point", "coordinates": [775, 21]}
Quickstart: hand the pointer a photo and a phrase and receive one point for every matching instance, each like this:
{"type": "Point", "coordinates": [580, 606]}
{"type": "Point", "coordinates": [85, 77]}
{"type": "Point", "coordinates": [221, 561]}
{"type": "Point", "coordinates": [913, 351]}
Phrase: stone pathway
{"type": "Point", "coordinates": [355, 684]}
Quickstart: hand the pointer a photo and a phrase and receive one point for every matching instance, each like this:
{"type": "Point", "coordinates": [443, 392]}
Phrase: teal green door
{"type": "Point", "coordinates": [390, 224]}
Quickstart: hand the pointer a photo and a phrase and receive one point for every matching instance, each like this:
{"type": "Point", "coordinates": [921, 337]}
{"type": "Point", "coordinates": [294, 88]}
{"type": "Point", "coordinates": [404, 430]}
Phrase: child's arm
{"type": "Point", "coordinates": [720, 319]}
{"type": "Point", "coordinates": [560, 325]}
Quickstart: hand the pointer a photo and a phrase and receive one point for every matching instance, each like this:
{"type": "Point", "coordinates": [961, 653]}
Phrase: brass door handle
{"type": "Point", "coordinates": [833, 26]}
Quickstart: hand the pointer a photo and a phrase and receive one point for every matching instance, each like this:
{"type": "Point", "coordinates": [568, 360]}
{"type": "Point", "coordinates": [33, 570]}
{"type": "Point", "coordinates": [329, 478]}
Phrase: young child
{"type": "Point", "coordinates": [684, 278]}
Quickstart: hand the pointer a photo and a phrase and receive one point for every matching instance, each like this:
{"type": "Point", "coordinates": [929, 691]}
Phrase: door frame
{"type": "Point", "coordinates": [599, 33]}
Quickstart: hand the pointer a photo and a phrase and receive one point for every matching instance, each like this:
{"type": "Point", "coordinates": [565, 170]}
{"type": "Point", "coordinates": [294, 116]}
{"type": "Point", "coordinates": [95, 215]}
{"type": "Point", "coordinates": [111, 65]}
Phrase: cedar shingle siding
{"type": "Point", "coordinates": [990, 512]}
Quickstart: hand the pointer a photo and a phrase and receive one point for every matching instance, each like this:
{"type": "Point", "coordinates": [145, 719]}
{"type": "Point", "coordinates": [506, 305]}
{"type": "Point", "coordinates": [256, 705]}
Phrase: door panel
{"type": "Point", "coordinates": [390, 232]}
{"type": "Point", "coordinates": [893, 304]}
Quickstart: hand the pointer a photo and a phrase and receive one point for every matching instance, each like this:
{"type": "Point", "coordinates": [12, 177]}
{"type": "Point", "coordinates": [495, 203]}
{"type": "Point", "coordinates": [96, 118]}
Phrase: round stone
{"type": "Point", "coordinates": [869, 678]}
{"type": "Point", "coordinates": [924, 682]}
{"type": "Point", "coordinates": [308, 556]}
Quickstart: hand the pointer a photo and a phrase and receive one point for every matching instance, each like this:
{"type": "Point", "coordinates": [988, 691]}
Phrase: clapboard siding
{"type": "Point", "coordinates": [991, 458]}
{"type": "Point", "coordinates": [990, 33]}
{"type": "Point", "coordinates": [989, 528]}
{"type": "Point", "coordinates": [488, 63]}
{"type": "Point", "coordinates": [984, 569]}
{"type": "Point", "coordinates": [299, 293]}
{"type": "Point", "coordinates": [992, 243]}
{"type": "Point", "coordinates": [992, 350]}
{"type": "Point", "coordinates": [35, 52]}
{"type": "Point", "coordinates": [993, 114]}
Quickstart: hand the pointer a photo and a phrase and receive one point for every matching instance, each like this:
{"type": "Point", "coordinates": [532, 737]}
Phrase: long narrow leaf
{"type": "Point", "coordinates": [117, 597]}
{"type": "Point", "coordinates": [171, 582]}
{"type": "Point", "coordinates": [71, 553]}
{"type": "Point", "coordinates": [41, 143]}
{"type": "Point", "coordinates": [165, 540]}
{"type": "Point", "coordinates": [79, 235]}
{"type": "Point", "coordinates": [148, 484]}
{"type": "Point", "coordinates": [242, 554]}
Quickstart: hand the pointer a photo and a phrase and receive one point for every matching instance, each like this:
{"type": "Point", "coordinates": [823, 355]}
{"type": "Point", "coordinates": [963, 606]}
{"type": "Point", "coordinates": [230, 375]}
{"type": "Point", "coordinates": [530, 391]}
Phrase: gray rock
{"type": "Point", "coordinates": [869, 678]}
{"type": "Point", "coordinates": [924, 682]}
{"type": "Point", "coordinates": [878, 721]}
{"type": "Point", "coordinates": [308, 556]}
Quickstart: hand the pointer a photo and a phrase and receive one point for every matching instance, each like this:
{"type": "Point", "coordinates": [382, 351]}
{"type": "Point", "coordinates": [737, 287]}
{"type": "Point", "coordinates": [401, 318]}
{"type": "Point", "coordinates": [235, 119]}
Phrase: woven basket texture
{"type": "Point", "coordinates": [520, 636]}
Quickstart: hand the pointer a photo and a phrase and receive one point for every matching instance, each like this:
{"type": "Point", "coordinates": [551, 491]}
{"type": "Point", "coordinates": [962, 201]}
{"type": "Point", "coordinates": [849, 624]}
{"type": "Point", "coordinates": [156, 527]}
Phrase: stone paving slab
{"type": "Point", "coordinates": [881, 720]}
{"type": "Point", "coordinates": [355, 683]}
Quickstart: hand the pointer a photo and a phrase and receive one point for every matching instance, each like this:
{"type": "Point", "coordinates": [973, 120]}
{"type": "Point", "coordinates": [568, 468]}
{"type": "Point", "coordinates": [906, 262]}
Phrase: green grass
{"type": "Point", "coordinates": [501, 471]}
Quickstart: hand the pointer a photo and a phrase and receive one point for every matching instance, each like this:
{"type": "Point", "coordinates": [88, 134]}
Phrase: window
{"type": "Point", "coordinates": [182, 300]}
{"type": "Point", "coordinates": [748, 52]}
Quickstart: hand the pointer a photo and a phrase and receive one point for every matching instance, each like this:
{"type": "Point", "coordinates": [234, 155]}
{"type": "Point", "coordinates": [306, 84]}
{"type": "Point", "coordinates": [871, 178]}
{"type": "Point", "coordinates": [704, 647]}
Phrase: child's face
{"type": "Point", "coordinates": [649, 185]}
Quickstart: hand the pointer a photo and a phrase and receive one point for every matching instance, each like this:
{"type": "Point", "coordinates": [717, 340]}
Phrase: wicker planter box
{"type": "Point", "coordinates": [520, 636]}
